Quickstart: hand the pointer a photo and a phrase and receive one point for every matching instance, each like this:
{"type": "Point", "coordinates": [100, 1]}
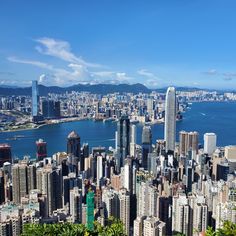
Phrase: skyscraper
{"type": "Point", "coordinates": [5, 153]}
{"type": "Point", "coordinates": [49, 182]}
{"type": "Point", "coordinates": [150, 106]}
{"type": "Point", "coordinates": [180, 214]}
{"type": "Point", "coordinates": [110, 202]}
{"type": "Point", "coordinates": [152, 226]}
{"type": "Point", "coordinates": [35, 100]}
{"type": "Point", "coordinates": [146, 144]}
{"type": "Point", "coordinates": [188, 141]}
{"type": "Point", "coordinates": [133, 140]}
{"type": "Point", "coordinates": [123, 139]}
{"type": "Point", "coordinates": [124, 198]}
{"type": "Point", "coordinates": [41, 149]}
{"type": "Point", "coordinates": [51, 109]}
{"type": "Point", "coordinates": [76, 204]}
{"type": "Point", "coordinates": [100, 169]}
{"type": "Point", "coordinates": [170, 119]}
{"type": "Point", "coordinates": [73, 144]}
{"type": "Point", "coordinates": [147, 200]}
{"type": "Point", "coordinates": [90, 210]}
{"type": "Point", "coordinates": [209, 143]}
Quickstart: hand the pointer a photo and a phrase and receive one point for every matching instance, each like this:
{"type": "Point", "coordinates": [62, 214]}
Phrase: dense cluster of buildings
{"type": "Point", "coordinates": [158, 188]}
{"type": "Point", "coordinates": [21, 111]}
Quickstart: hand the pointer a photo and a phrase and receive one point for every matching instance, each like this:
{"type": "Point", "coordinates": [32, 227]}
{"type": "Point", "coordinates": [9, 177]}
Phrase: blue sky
{"type": "Point", "coordinates": [157, 43]}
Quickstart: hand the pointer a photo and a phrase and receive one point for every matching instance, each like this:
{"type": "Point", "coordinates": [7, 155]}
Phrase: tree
{"type": "Point", "coordinates": [228, 229]}
{"type": "Point", "coordinates": [114, 228]}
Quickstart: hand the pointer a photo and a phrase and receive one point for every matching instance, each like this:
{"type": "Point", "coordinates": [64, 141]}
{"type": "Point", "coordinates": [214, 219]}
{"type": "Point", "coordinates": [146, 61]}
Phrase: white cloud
{"type": "Point", "coordinates": [112, 77]}
{"type": "Point", "coordinates": [31, 62]}
{"type": "Point", "coordinates": [226, 76]}
{"type": "Point", "coordinates": [62, 50]}
{"type": "Point", "coordinates": [14, 82]}
{"type": "Point", "coordinates": [57, 76]}
{"type": "Point", "coordinates": [229, 74]}
{"type": "Point", "coordinates": [104, 74]}
{"type": "Point", "coordinates": [146, 73]}
{"type": "Point", "coordinates": [152, 80]}
{"type": "Point", "coordinates": [75, 71]}
{"type": "Point", "coordinates": [211, 72]}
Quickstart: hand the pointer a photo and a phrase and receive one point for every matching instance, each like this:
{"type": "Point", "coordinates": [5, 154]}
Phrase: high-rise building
{"type": "Point", "coordinates": [69, 182]}
{"type": "Point", "coordinates": [209, 143]}
{"type": "Point", "coordinates": [124, 199]}
{"type": "Point", "coordinates": [180, 214]}
{"type": "Point", "coordinates": [163, 212]}
{"type": "Point", "coordinates": [76, 205]}
{"type": "Point", "coordinates": [222, 171]}
{"type": "Point", "coordinates": [127, 174]}
{"type": "Point", "coordinates": [85, 154]}
{"type": "Point", "coordinates": [200, 216]}
{"type": "Point", "coordinates": [225, 211]}
{"type": "Point", "coordinates": [111, 203]}
{"type": "Point", "coordinates": [50, 109]}
{"type": "Point", "coordinates": [152, 163]}
{"type": "Point", "coordinates": [146, 145]}
{"type": "Point", "coordinates": [19, 181]}
{"type": "Point", "coordinates": [49, 182]}
{"type": "Point", "coordinates": [147, 200]}
{"type": "Point", "coordinates": [193, 141]}
{"type": "Point", "coordinates": [152, 226]}
{"type": "Point", "coordinates": [188, 141]}
{"type": "Point", "coordinates": [123, 140]}
{"type": "Point", "coordinates": [138, 225]}
{"type": "Point", "coordinates": [31, 177]}
{"type": "Point", "coordinates": [5, 153]}
{"type": "Point", "coordinates": [57, 109]}
{"type": "Point", "coordinates": [183, 142]}
{"type": "Point", "coordinates": [73, 144]}
{"type": "Point", "coordinates": [2, 188]}
{"type": "Point", "coordinates": [230, 152]}
{"type": "Point", "coordinates": [150, 106]}
{"type": "Point", "coordinates": [35, 99]}
{"type": "Point", "coordinates": [90, 210]}
{"type": "Point", "coordinates": [41, 149]}
{"type": "Point", "coordinates": [100, 170]}
{"type": "Point", "coordinates": [133, 140]}
{"type": "Point", "coordinates": [170, 119]}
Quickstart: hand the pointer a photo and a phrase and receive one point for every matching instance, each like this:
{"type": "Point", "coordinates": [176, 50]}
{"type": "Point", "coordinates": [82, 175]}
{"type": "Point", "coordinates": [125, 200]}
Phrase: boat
{"type": "Point", "coordinates": [19, 136]}
{"type": "Point", "coordinates": [15, 137]}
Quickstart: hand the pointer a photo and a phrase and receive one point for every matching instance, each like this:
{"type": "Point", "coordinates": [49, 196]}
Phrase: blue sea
{"type": "Point", "coordinates": [217, 117]}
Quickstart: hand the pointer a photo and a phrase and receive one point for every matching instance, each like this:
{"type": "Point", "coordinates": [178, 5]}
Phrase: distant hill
{"type": "Point", "coordinates": [96, 89]}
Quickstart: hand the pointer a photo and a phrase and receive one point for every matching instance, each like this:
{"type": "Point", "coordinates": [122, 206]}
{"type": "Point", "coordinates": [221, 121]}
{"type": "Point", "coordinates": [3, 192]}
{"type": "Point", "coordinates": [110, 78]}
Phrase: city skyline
{"type": "Point", "coordinates": [151, 186]}
{"type": "Point", "coordinates": [118, 118]}
{"type": "Point", "coordinates": [157, 44]}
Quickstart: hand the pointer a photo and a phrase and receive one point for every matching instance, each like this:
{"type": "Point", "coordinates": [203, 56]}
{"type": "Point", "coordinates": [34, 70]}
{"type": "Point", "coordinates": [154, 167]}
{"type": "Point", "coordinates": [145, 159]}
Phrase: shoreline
{"type": "Point", "coordinates": [45, 124]}
{"type": "Point", "coordinates": [73, 119]}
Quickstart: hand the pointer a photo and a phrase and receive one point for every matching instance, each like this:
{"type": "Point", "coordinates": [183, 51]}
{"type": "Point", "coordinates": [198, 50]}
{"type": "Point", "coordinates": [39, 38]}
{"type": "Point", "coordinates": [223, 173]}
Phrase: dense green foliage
{"type": "Point", "coordinates": [228, 229]}
{"type": "Point", "coordinates": [114, 228]}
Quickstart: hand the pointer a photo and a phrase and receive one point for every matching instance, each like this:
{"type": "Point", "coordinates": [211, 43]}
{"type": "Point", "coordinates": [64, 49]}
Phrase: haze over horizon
{"type": "Point", "coordinates": [159, 43]}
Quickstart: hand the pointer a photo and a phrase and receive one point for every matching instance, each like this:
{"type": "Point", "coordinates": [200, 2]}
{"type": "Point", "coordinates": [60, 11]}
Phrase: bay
{"type": "Point", "coordinates": [217, 117]}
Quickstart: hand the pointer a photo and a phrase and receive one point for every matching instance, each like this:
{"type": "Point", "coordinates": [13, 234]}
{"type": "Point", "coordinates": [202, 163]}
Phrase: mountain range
{"type": "Point", "coordinates": [92, 88]}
